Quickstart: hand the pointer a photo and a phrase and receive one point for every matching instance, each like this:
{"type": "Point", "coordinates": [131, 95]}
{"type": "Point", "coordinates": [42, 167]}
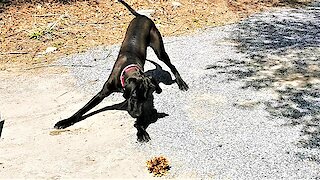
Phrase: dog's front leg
{"type": "Point", "coordinates": [165, 58]}
{"type": "Point", "coordinates": [156, 44]}
{"type": "Point", "coordinates": [78, 116]}
{"type": "Point", "coordinates": [182, 85]}
{"type": "Point", "coordinates": [142, 135]}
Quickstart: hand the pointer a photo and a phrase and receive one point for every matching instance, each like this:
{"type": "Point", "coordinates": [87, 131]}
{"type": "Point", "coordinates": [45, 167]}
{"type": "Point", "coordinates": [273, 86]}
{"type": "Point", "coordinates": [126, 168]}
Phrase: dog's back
{"type": "Point", "coordinates": [137, 33]}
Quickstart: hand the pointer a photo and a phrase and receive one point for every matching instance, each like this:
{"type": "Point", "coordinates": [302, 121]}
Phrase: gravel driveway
{"type": "Point", "coordinates": [252, 110]}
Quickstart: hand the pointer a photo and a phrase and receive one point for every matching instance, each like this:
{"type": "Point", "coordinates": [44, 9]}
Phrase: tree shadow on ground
{"type": "Point", "coordinates": [294, 3]}
{"type": "Point", "coordinates": [282, 51]}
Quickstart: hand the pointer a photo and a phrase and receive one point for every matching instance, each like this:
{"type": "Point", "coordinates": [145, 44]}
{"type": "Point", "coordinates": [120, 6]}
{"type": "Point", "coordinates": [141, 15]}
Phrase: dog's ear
{"type": "Point", "coordinates": [130, 84]}
{"type": "Point", "coordinates": [126, 93]}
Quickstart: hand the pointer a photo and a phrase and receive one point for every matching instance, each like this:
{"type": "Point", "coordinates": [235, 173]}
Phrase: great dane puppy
{"type": "Point", "coordinates": [127, 75]}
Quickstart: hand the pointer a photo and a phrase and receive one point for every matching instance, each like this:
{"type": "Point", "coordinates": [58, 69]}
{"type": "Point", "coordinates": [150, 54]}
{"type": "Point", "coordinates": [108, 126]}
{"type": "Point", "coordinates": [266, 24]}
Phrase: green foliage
{"type": "Point", "coordinates": [36, 35]}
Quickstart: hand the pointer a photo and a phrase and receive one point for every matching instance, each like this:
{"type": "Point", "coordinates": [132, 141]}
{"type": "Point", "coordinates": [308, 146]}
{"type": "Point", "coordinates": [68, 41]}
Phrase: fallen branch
{"type": "Point", "coordinates": [94, 23]}
{"type": "Point", "coordinates": [58, 65]}
{"type": "Point", "coordinates": [46, 15]}
{"type": "Point", "coordinates": [6, 53]}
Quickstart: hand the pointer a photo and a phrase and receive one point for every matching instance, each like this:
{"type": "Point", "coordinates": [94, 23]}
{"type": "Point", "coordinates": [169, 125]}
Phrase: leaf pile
{"type": "Point", "coordinates": [159, 166]}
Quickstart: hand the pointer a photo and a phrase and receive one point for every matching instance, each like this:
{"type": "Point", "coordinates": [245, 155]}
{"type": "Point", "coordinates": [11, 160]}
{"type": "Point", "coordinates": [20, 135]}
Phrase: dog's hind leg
{"type": "Point", "coordinates": [156, 44]}
{"type": "Point", "coordinates": [78, 115]}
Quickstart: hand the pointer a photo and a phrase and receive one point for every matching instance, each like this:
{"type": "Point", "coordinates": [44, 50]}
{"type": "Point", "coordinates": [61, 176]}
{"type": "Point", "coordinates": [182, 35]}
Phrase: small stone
{"type": "Point", "coordinates": [47, 51]}
{"type": "Point", "coordinates": [176, 4]}
{"type": "Point", "coordinates": [146, 12]}
{"type": "Point", "coordinates": [50, 50]}
{"type": "Point", "coordinates": [39, 7]}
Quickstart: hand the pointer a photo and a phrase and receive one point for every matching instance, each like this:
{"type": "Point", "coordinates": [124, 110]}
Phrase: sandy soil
{"type": "Point", "coordinates": [30, 148]}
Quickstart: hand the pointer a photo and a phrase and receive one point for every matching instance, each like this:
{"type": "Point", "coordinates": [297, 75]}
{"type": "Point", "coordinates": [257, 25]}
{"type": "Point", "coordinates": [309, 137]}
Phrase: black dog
{"type": "Point", "coordinates": [127, 75]}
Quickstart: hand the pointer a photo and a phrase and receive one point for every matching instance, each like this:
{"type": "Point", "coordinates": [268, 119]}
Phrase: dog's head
{"type": "Point", "coordinates": [137, 90]}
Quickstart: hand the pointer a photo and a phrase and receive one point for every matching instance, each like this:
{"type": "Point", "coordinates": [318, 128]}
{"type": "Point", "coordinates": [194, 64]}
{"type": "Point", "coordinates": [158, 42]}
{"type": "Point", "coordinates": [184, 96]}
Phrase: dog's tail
{"type": "Point", "coordinates": [129, 8]}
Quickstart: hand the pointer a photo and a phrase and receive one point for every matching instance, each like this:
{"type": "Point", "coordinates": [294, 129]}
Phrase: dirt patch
{"type": "Point", "coordinates": [56, 132]}
{"type": "Point", "coordinates": [30, 147]}
{"type": "Point", "coordinates": [33, 32]}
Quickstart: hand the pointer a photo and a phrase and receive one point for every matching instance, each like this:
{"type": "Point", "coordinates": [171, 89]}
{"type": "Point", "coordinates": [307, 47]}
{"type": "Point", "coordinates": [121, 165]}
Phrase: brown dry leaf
{"type": "Point", "coordinates": [74, 131]}
{"type": "Point", "coordinates": [58, 132]}
{"type": "Point", "coordinates": [159, 166]}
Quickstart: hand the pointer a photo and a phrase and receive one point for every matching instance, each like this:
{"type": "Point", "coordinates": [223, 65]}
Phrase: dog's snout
{"type": "Point", "coordinates": [134, 108]}
{"type": "Point", "coordinates": [135, 115]}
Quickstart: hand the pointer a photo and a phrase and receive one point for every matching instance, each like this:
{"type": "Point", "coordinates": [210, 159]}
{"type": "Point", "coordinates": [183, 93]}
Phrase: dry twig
{"type": "Point", "coordinates": [7, 53]}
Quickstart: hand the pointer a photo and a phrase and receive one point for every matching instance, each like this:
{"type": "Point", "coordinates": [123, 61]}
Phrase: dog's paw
{"type": "Point", "coordinates": [63, 124]}
{"type": "Point", "coordinates": [182, 85]}
{"type": "Point", "coordinates": [143, 136]}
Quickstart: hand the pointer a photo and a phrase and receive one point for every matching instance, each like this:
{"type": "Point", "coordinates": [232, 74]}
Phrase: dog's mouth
{"type": "Point", "coordinates": [134, 114]}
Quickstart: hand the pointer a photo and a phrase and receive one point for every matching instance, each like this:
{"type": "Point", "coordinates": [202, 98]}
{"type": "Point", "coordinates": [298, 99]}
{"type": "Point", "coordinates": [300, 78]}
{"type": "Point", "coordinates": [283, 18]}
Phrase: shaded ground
{"type": "Point", "coordinates": [28, 28]}
{"type": "Point", "coordinates": [283, 52]}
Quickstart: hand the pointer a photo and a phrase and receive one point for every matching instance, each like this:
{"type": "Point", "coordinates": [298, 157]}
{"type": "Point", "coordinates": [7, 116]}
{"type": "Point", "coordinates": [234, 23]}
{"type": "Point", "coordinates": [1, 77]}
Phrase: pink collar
{"type": "Point", "coordinates": [127, 69]}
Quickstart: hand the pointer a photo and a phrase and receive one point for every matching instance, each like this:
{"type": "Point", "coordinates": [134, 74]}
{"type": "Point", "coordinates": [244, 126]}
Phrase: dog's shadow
{"type": "Point", "coordinates": [159, 74]}
{"type": "Point", "coordinates": [150, 114]}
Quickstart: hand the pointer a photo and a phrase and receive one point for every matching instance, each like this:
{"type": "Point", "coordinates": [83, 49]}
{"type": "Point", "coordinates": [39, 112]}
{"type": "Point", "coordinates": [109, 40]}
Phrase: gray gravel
{"type": "Point", "coordinates": [223, 126]}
